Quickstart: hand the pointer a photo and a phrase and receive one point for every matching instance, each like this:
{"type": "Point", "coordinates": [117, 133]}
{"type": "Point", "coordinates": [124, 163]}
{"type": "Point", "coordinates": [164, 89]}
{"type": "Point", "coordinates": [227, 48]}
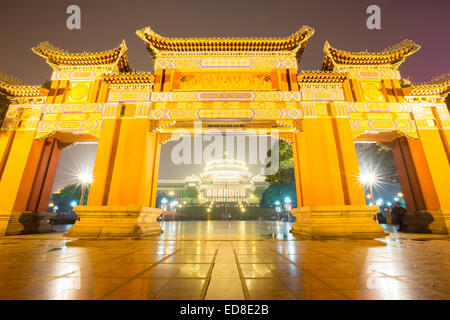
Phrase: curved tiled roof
{"type": "Point", "coordinates": [12, 87]}
{"type": "Point", "coordinates": [57, 57]}
{"type": "Point", "coordinates": [391, 56]}
{"type": "Point", "coordinates": [156, 43]}
{"type": "Point", "coordinates": [438, 86]}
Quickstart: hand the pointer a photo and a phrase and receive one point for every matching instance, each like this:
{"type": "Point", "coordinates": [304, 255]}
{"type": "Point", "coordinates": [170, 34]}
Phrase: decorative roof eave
{"type": "Point", "coordinates": [56, 57]}
{"type": "Point", "coordinates": [393, 56]}
{"type": "Point", "coordinates": [157, 44]}
{"type": "Point", "coordinates": [438, 86]}
{"type": "Point", "coordinates": [13, 88]}
{"type": "Point", "coordinates": [130, 78]}
{"type": "Point", "coordinates": [23, 91]}
{"type": "Point", "coordinates": [321, 77]}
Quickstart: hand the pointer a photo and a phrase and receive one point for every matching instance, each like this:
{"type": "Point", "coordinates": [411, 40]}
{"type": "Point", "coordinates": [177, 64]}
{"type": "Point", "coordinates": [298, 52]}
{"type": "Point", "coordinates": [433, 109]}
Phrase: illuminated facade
{"type": "Point", "coordinates": [226, 180]}
{"type": "Point", "coordinates": [223, 180]}
{"type": "Point", "coordinates": [248, 83]}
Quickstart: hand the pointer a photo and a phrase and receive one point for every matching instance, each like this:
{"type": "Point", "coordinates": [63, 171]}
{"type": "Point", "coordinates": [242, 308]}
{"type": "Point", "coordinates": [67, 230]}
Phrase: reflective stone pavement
{"type": "Point", "coordinates": [225, 260]}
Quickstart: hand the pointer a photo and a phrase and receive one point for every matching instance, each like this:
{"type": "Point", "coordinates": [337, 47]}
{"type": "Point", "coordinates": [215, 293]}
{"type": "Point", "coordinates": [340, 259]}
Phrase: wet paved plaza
{"type": "Point", "coordinates": [225, 260]}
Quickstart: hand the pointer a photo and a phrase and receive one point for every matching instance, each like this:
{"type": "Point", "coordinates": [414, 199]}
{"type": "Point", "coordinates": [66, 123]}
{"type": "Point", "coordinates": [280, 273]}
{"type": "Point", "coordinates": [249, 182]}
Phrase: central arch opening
{"type": "Point", "coordinates": [219, 183]}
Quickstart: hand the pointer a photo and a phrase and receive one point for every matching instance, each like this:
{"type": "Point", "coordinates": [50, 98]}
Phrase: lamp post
{"type": "Point", "coordinates": [164, 202]}
{"type": "Point", "coordinates": [277, 208]}
{"type": "Point", "coordinates": [173, 208]}
{"type": "Point", "coordinates": [85, 179]}
{"type": "Point", "coordinates": [369, 179]}
{"type": "Point", "coordinates": [287, 204]}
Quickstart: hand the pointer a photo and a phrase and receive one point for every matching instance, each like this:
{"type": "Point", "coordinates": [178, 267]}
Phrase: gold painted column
{"type": "Point", "coordinates": [433, 171]}
{"type": "Point", "coordinates": [442, 116]}
{"type": "Point", "coordinates": [432, 166]}
{"type": "Point", "coordinates": [407, 175]}
{"type": "Point", "coordinates": [6, 139]}
{"type": "Point", "coordinates": [333, 203]}
{"type": "Point", "coordinates": [26, 183]}
{"type": "Point", "coordinates": [121, 199]}
{"type": "Point", "coordinates": [104, 163]}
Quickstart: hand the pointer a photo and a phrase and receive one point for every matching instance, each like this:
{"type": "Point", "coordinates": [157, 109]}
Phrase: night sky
{"type": "Point", "coordinates": [24, 24]}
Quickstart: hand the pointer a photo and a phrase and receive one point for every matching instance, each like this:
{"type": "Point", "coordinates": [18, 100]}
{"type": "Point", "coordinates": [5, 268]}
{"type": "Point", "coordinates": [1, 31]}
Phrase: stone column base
{"type": "Point", "coordinates": [428, 221]}
{"type": "Point", "coordinates": [337, 221]}
{"type": "Point", "coordinates": [25, 222]}
{"type": "Point", "coordinates": [115, 221]}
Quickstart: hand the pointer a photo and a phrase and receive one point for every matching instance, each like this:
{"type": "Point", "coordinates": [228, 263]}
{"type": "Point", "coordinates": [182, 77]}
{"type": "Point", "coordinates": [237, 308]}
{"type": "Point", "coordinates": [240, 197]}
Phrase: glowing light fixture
{"type": "Point", "coordinates": [368, 179]}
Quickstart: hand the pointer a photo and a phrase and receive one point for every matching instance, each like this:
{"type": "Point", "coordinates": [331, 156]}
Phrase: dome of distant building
{"type": "Point", "coordinates": [222, 180]}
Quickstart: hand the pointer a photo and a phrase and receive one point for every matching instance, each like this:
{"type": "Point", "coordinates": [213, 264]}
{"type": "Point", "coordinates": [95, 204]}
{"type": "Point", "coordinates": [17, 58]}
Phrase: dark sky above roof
{"type": "Point", "coordinates": [24, 24]}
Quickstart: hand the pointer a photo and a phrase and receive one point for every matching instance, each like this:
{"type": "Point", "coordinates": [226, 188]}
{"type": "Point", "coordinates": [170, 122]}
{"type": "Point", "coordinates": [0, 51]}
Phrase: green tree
{"type": "Point", "coordinates": [68, 195]}
{"type": "Point", "coordinates": [278, 192]}
{"type": "Point", "coordinates": [190, 193]}
{"type": "Point", "coordinates": [285, 171]}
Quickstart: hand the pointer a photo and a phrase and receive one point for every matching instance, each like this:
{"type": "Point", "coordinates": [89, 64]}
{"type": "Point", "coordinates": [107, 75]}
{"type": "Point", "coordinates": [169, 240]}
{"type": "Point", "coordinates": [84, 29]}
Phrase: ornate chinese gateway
{"type": "Point", "coordinates": [242, 82]}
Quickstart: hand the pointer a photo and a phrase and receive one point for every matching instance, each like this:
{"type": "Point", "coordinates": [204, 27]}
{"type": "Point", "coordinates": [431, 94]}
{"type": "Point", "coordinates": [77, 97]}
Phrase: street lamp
{"type": "Point", "coordinates": [85, 179]}
{"type": "Point", "coordinates": [173, 208]}
{"type": "Point", "coordinates": [288, 205]}
{"type": "Point", "coordinates": [164, 202]}
{"type": "Point", "coordinates": [277, 208]}
{"type": "Point", "coordinates": [369, 179]}
{"type": "Point", "coordinates": [73, 204]}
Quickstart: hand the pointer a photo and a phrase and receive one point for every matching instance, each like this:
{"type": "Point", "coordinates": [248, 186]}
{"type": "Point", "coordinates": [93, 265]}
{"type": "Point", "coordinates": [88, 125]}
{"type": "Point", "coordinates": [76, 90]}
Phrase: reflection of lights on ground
{"type": "Point", "coordinates": [380, 271]}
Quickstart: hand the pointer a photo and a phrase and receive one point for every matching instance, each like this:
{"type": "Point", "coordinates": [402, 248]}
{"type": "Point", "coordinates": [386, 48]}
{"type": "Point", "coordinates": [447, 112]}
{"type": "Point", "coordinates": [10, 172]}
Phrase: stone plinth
{"type": "Point", "coordinates": [337, 221]}
{"type": "Point", "coordinates": [25, 222]}
{"type": "Point", "coordinates": [428, 221]}
{"type": "Point", "coordinates": [115, 221]}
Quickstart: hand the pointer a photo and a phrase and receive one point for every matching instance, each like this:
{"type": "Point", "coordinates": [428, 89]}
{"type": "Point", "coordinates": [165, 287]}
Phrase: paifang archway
{"type": "Point", "coordinates": [247, 82]}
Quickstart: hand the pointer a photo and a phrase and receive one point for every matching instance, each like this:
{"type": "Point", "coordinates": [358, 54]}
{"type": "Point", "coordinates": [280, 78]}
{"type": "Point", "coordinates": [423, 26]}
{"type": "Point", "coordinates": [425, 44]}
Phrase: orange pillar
{"type": "Point", "coordinates": [442, 116]}
{"type": "Point", "coordinates": [104, 163]}
{"type": "Point", "coordinates": [125, 176]}
{"type": "Point", "coordinates": [327, 168]}
{"type": "Point", "coordinates": [348, 160]}
{"type": "Point", "coordinates": [433, 170]}
{"type": "Point", "coordinates": [43, 182]}
{"type": "Point", "coordinates": [298, 185]}
{"type": "Point", "coordinates": [27, 179]}
{"type": "Point", "coordinates": [320, 172]}
{"type": "Point", "coordinates": [6, 139]}
{"type": "Point", "coordinates": [407, 175]}
{"type": "Point", "coordinates": [424, 175]}
{"type": "Point", "coordinates": [134, 165]}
